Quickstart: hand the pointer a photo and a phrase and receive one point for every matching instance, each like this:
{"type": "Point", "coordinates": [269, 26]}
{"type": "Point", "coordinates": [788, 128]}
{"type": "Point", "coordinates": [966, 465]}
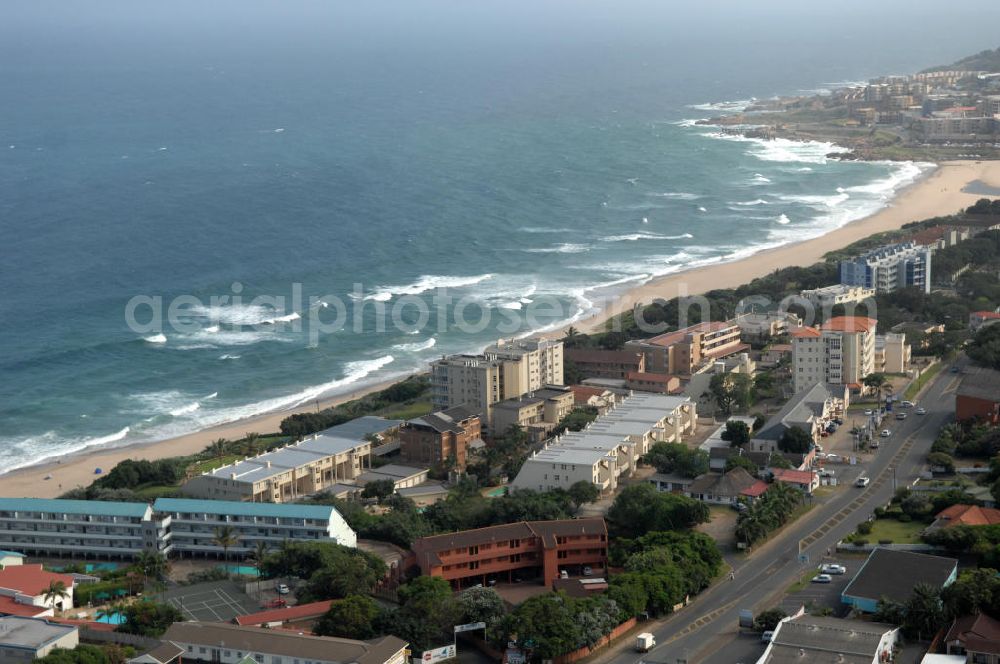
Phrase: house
{"type": "Point", "coordinates": [28, 584]}
{"type": "Point", "coordinates": [424, 494]}
{"type": "Point", "coordinates": [440, 438]}
{"type": "Point", "coordinates": [652, 382]}
{"type": "Point", "coordinates": [27, 639]}
{"type": "Point", "coordinates": [727, 488]}
{"type": "Point", "coordinates": [826, 640]}
{"type": "Point", "coordinates": [605, 363]}
{"type": "Point", "coordinates": [9, 558]}
{"type": "Point", "coordinates": [804, 480]}
{"type": "Point", "coordinates": [402, 477]}
{"type": "Point", "coordinates": [889, 573]}
{"type": "Point", "coordinates": [976, 637]}
{"type": "Point", "coordinates": [300, 615]}
{"type": "Point", "coordinates": [222, 643]}
{"type": "Point", "coordinates": [979, 319]}
{"type": "Point", "coordinates": [526, 548]}
{"type": "Point", "coordinates": [600, 398]}
{"type": "Point", "coordinates": [810, 410]}
{"type": "Point", "coordinates": [978, 395]}
{"type": "Point", "coordinates": [164, 653]}
{"type": "Point", "coordinates": [966, 515]}
{"type": "Point", "coordinates": [670, 483]}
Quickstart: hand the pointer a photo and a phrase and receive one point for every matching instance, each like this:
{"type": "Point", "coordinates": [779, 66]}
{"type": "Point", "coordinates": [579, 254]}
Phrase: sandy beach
{"type": "Point", "coordinates": [940, 193]}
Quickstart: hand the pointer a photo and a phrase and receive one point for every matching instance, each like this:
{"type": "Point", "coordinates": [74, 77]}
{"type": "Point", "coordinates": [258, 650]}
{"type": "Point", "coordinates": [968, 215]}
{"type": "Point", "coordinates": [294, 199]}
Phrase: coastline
{"type": "Point", "coordinates": [936, 194]}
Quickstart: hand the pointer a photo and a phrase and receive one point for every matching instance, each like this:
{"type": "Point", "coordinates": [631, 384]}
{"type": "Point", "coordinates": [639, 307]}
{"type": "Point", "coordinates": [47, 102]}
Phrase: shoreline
{"type": "Point", "coordinates": [938, 193]}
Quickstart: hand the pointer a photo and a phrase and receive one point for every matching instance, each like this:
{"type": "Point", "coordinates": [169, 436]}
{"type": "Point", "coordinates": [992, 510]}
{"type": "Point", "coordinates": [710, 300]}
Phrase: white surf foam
{"type": "Point", "coordinates": [416, 346]}
{"type": "Point", "coordinates": [424, 284]}
{"type": "Point", "coordinates": [783, 219]}
{"type": "Point", "coordinates": [564, 248]}
{"type": "Point", "coordinates": [678, 195]}
{"type": "Point", "coordinates": [735, 106]}
{"type": "Point", "coordinates": [759, 179]}
{"type": "Point", "coordinates": [156, 339]}
{"type": "Point", "coordinates": [756, 201]}
{"type": "Point", "coordinates": [633, 237]}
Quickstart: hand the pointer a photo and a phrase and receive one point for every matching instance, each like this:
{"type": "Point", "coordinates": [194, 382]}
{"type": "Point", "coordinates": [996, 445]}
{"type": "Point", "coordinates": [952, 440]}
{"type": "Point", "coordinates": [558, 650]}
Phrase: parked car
{"type": "Point", "coordinates": [822, 578]}
{"type": "Point", "coordinates": [644, 642]}
{"type": "Point", "coordinates": [874, 444]}
{"type": "Point", "coordinates": [282, 589]}
{"type": "Point", "coordinates": [563, 574]}
{"type": "Point", "coordinates": [861, 482]}
{"type": "Point", "coordinates": [906, 404]}
{"type": "Point", "coordinates": [819, 448]}
{"type": "Point", "coordinates": [833, 568]}
{"type": "Point", "coordinates": [900, 416]}
{"type": "Point", "coordinates": [921, 411]}
{"type": "Point", "coordinates": [833, 457]}
{"type": "Point", "coordinates": [955, 369]}
{"type": "Point", "coordinates": [767, 636]}
{"type": "Point", "coordinates": [885, 433]}
{"type": "Point", "coordinates": [276, 603]}
{"type": "Point", "coordinates": [826, 472]}
{"type": "Point", "coordinates": [587, 571]}
{"type": "Point", "coordinates": [869, 412]}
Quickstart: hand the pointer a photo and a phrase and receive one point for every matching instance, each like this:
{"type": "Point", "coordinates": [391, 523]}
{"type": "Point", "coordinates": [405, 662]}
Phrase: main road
{"type": "Point", "coordinates": [710, 622]}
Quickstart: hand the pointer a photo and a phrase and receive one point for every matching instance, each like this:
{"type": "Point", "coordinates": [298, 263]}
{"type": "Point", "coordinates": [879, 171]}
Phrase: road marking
{"type": "Point", "coordinates": [698, 623]}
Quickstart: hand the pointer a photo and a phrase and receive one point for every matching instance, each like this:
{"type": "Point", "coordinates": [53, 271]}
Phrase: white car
{"type": "Point", "coordinates": [282, 589]}
{"type": "Point", "coordinates": [767, 636]}
{"type": "Point", "coordinates": [921, 411]}
{"type": "Point", "coordinates": [833, 457]}
{"type": "Point", "coordinates": [822, 578]}
{"type": "Point", "coordinates": [885, 433]}
{"type": "Point", "coordinates": [869, 412]}
{"type": "Point", "coordinates": [862, 482]}
{"type": "Point", "coordinates": [907, 404]}
{"type": "Point", "coordinates": [833, 568]}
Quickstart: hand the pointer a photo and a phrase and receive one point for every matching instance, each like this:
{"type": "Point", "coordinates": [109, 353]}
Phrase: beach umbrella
{"type": "Point", "coordinates": [98, 471]}
{"type": "Point", "coordinates": [121, 592]}
{"type": "Point", "coordinates": [102, 595]}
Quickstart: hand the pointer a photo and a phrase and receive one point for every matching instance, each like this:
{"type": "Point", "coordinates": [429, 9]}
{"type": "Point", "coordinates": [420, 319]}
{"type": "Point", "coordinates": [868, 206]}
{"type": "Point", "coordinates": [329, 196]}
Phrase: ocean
{"type": "Point", "coordinates": [371, 154]}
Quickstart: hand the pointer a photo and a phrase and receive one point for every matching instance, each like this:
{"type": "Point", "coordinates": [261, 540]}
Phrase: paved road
{"type": "Point", "coordinates": [706, 630]}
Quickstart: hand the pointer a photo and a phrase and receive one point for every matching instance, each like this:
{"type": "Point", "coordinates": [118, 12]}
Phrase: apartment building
{"type": "Point", "coordinates": [762, 327]}
{"type": "Point", "coordinates": [841, 352]}
{"type": "Point", "coordinates": [611, 446]}
{"type": "Point", "coordinates": [691, 349]}
{"type": "Point", "coordinates": [301, 469]}
{"type": "Point", "coordinates": [505, 370]}
{"type": "Point", "coordinates": [606, 363]}
{"type": "Point", "coordinates": [892, 353]}
{"type": "Point", "coordinates": [120, 531]}
{"type": "Point", "coordinates": [222, 643]}
{"type": "Point", "coordinates": [826, 298]}
{"type": "Point", "coordinates": [537, 412]}
{"type": "Point", "coordinates": [890, 268]}
{"type": "Point", "coordinates": [518, 550]}
{"type": "Point", "coordinates": [82, 528]}
{"type": "Point", "coordinates": [189, 527]}
{"type": "Point", "coordinates": [964, 123]}
{"type": "Point", "coordinates": [441, 437]}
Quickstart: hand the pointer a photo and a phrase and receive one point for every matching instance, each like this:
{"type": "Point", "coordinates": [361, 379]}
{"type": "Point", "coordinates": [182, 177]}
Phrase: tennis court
{"type": "Point", "coordinates": [217, 601]}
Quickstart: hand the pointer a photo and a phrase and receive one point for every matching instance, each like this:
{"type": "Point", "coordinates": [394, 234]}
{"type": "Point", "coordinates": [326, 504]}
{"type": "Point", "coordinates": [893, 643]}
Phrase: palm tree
{"type": "Point", "coordinates": [226, 537]}
{"type": "Point", "coordinates": [260, 551]}
{"type": "Point", "coordinates": [150, 565]}
{"type": "Point", "coordinates": [111, 612]}
{"type": "Point", "coordinates": [218, 447]}
{"type": "Point", "coordinates": [55, 593]}
{"type": "Point", "coordinates": [250, 440]}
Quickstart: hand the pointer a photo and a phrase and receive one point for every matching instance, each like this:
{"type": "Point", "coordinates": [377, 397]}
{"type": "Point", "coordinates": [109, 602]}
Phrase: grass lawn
{"type": "Point", "coordinates": [925, 377]}
{"type": "Point", "coordinates": [211, 464]}
{"type": "Point", "coordinates": [408, 411]}
{"type": "Point", "coordinates": [803, 581]}
{"type": "Point", "coordinates": [154, 491]}
{"type": "Point", "coordinates": [897, 531]}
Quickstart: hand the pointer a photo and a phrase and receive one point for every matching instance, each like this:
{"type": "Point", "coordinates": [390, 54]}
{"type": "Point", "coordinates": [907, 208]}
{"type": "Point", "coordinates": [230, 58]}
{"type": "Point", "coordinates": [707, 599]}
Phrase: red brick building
{"type": "Point", "coordinates": [978, 395]}
{"type": "Point", "coordinates": [525, 549]}
{"type": "Point", "coordinates": [614, 364]}
{"type": "Point", "coordinates": [434, 439]}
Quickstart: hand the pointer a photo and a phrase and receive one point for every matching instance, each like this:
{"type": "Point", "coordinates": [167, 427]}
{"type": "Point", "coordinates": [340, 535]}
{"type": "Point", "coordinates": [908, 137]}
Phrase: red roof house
{"type": "Point", "coordinates": [805, 480]}
{"type": "Point", "coordinates": [297, 613]}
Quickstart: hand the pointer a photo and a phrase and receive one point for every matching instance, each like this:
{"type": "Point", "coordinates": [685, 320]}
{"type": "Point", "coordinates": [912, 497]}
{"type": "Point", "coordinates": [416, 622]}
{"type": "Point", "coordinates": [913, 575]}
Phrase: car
{"type": "Point", "coordinates": [874, 444]}
{"type": "Point", "coordinates": [869, 412]}
{"type": "Point", "coordinates": [921, 411]}
{"type": "Point", "coordinates": [819, 448]}
{"type": "Point", "coordinates": [833, 568]}
{"type": "Point", "coordinates": [955, 369]}
{"type": "Point", "coordinates": [282, 589]}
{"type": "Point", "coordinates": [822, 578]}
{"type": "Point", "coordinates": [906, 404]}
{"type": "Point", "coordinates": [900, 416]}
{"type": "Point", "coordinates": [833, 457]}
{"type": "Point", "coordinates": [885, 433]}
{"type": "Point", "coordinates": [826, 472]}
{"type": "Point", "coordinates": [587, 571]}
{"type": "Point", "coordinates": [563, 574]}
{"type": "Point", "coordinates": [862, 482]}
{"type": "Point", "coordinates": [276, 603]}
{"type": "Point", "coordinates": [767, 636]}
{"type": "Point", "coordinates": [838, 421]}
{"type": "Point", "coordinates": [738, 506]}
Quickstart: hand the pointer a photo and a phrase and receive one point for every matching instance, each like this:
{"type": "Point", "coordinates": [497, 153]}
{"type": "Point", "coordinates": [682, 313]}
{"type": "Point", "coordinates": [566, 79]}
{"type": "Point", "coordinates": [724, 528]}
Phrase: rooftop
{"type": "Point", "coordinates": [671, 338]}
{"type": "Point", "coordinates": [801, 409]}
{"type": "Point", "coordinates": [290, 613]}
{"type": "Point", "coordinates": [34, 633]}
{"type": "Point", "coordinates": [31, 579]}
{"type": "Point", "coordinates": [445, 420]}
{"type": "Point", "coordinates": [793, 476]}
{"type": "Point", "coordinates": [547, 531]}
{"type": "Point", "coordinates": [850, 324]}
{"type": "Point", "coordinates": [286, 643]}
{"type": "Point", "coordinates": [58, 506]}
{"type": "Point", "coordinates": [734, 483]}
{"type": "Point", "coordinates": [890, 573]}
{"type": "Point", "coordinates": [824, 640]}
{"type": "Point", "coordinates": [235, 508]}
{"type": "Point", "coordinates": [979, 633]}
{"type": "Point", "coordinates": [10, 607]}
{"type": "Point", "coordinates": [969, 515]}
{"type": "Point", "coordinates": [978, 382]}
{"type": "Point", "coordinates": [602, 356]}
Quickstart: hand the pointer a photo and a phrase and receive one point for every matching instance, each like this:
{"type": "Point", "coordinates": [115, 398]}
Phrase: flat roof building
{"type": "Point", "coordinates": [889, 574]}
{"type": "Point", "coordinates": [826, 640]}
{"type": "Point", "coordinates": [27, 639]}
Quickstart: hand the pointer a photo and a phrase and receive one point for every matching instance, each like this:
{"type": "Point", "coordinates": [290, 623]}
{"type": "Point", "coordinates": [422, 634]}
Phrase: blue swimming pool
{"type": "Point", "coordinates": [113, 619]}
{"type": "Point", "coordinates": [242, 570]}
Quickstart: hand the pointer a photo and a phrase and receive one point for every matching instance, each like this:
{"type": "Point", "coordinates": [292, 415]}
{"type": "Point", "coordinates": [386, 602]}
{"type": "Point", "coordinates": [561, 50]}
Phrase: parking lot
{"type": "Point", "coordinates": [216, 601]}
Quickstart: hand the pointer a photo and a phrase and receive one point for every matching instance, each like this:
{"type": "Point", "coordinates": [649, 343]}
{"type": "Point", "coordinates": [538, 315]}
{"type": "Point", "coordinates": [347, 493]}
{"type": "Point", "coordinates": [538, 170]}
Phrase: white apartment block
{"type": "Point", "coordinates": [120, 531]}
{"type": "Point", "coordinates": [892, 353]}
{"type": "Point", "coordinates": [825, 299]}
{"type": "Point", "coordinates": [611, 446]}
{"type": "Point", "coordinates": [840, 352]}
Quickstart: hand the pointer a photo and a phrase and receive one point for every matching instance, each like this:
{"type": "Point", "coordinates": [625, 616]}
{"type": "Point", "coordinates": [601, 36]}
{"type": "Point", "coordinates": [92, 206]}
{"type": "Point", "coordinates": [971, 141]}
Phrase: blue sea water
{"type": "Point", "coordinates": [509, 151]}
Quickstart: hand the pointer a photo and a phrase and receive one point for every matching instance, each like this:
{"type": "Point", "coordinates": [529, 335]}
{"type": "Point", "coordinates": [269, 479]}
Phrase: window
{"type": "Point", "coordinates": [473, 550]}
{"type": "Point", "coordinates": [474, 564]}
{"type": "Point", "coordinates": [515, 543]}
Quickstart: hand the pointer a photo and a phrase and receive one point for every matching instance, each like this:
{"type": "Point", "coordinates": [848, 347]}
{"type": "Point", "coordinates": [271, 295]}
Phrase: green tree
{"type": "Point", "coordinates": [151, 566]}
{"type": "Point", "coordinates": [261, 550]}
{"type": "Point", "coordinates": [740, 461]}
{"type": "Point", "coordinates": [640, 508]}
{"type": "Point", "coordinates": [874, 381]}
{"type": "Point", "coordinates": [731, 391]}
{"type": "Point", "coordinates": [225, 537]}
{"type": "Point", "coordinates": [795, 440]}
{"type": "Point", "coordinates": [218, 447]}
{"type": "Point", "coordinates": [941, 460]}
{"type": "Point", "coordinates": [82, 654]}
{"type": "Point", "coordinates": [923, 612]}
{"type": "Point", "coordinates": [54, 594]}
{"type": "Point", "coordinates": [149, 618]}
{"type": "Point", "coordinates": [984, 349]}
{"type": "Point", "coordinates": [677, 458]}
{"type": "Point", "coordinates": [353, 617]}
{"type": "Point", "coordinates": [736, 433]}
{"type": "Point", "coordinates": [583, 492]}
{"type": "Point", "coordinates": [769, 619]}
{"type": "Point", "coordinates": [379, 489]}
{"type": "Point", "coordinates": [481, 605]}
{"type": "Point", "coordinates": [549, 622]}
{"type": "Point", "coordinates": [428, 610]}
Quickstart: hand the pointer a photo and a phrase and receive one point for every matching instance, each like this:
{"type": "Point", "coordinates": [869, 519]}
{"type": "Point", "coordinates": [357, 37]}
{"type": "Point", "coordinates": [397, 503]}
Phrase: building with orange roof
{"type": "Point", "coordinates": [966, 515]}
{"type": "Point", "coordinates": [686, 350]}
{"type": "Point", "coordinates": [28, 584]}
{"type": "Point", "coordinates": [839, 352]}
{"type": "Point", "coordinates": [978, 319]}
{"type": "Point", "coordinates": [803, 480]}
{"type": "Point", "coordinates": [298, 614]}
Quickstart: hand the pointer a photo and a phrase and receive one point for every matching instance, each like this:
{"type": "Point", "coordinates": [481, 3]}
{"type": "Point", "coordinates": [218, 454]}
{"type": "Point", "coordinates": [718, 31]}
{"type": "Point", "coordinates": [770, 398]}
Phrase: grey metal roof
{"type": "Point", "coordinates": [826, 641]}
{"type": "Point", "coordinates": [891, 573]}
{"type": "Point", "coordinates": [980, 383]}
{"type": "Point", "coordinates": [33, 633]}
{"type": "Point", "coordinates": [797, 411]}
